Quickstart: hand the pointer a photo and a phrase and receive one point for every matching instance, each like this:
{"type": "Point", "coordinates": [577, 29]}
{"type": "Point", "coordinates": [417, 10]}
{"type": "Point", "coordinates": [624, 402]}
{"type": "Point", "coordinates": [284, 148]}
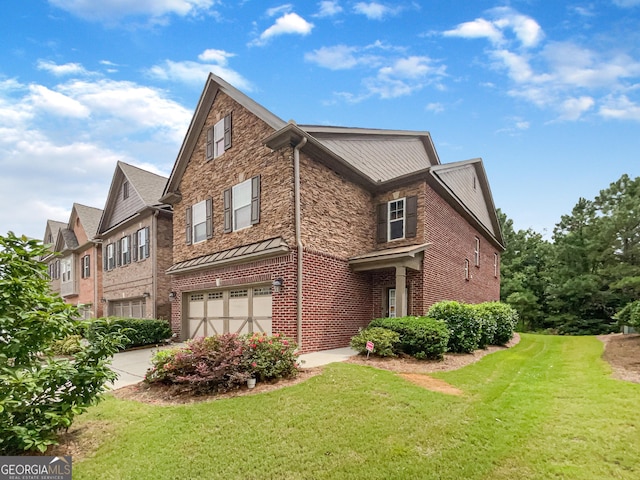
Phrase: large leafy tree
{"type": "Point", "coordinates": [40, 394]}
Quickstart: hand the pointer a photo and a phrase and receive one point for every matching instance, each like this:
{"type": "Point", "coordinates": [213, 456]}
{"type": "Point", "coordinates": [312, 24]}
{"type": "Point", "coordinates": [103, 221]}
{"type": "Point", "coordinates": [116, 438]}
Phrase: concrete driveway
{"type": "Point", "coordinates": [132, 365]}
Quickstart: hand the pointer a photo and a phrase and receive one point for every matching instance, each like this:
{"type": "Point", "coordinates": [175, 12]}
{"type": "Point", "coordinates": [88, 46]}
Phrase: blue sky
{"type": "Point", "coordinates": [547, 93]}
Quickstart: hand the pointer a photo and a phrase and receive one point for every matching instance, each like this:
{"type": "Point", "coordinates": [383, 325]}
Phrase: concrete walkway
{"type": "Point", "coordinates": [132, 365]}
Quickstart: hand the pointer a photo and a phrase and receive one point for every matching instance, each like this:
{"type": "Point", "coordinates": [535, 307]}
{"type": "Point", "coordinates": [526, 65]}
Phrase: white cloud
{"type": "Point", "coordinates": [620, 108]}
{"type": "Point", "coordinates": [62, 70]}
{"type": "Point", "coordinates": [627, 3]}
{"type": "Point", "coordinates": [275, 11]}
{"type": "Point", "coordinates": [435, 107]}
{"type": "Point", "coordinates": [109, 10]}
{"type": "Point", "coordinates": [478, 28]}
{"type": "Point", "coordinates": [373, 10]}
{"type": "Point", "coordinates": [574, 108]}
{"type": "Point", "coordinates": [289, 23]}
{"type": "Point", "coordinates": [329, 9]}
{"type": "Point", "coordinates": [56, 103]}
{"type": "Point", "coordinates": [338, 57]}
{"type": "Point", "coordinates": [195, 73]}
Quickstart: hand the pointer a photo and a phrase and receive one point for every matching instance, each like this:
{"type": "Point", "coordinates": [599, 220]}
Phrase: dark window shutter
{"type": "Point", "coordinates": [382, 223]}
{"type": "Point", "coordinates": [209, 220]}
{"type": "Point", "coordinates": [255, 200]}
{"type": "Point", "coordinates": [210, 143]}
{"type": "Point", "coordinates": [129, 247]}
{"type": "Point", "coordinates": [228, 225]}
{"type": "Point", "coordinates": [134, 247]}
{"type": "Point", "coordinates": [146, 242]}
{"type": "Point", "coordinates": [227, 132]}
{"type": "Point", "coordinates": [188, 225]}
{"type": "Point", "coordinates": [88, 266]}
{"type": "Point", "coordinates": [105, 258]}
{"type": "Point", "coordinates": [412, 217]}
{"type": "Point", "coordinates": [119, 252]}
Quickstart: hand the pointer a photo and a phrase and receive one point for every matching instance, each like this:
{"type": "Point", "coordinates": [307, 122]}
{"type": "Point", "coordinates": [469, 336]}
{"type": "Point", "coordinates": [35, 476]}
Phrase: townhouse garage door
{"type": "Point", "coordinates": [240, 310]}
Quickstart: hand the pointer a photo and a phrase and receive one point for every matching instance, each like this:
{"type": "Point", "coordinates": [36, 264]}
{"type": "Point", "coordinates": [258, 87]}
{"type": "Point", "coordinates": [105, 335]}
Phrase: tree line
{"type": "Point", "coordinates": [589, 271]}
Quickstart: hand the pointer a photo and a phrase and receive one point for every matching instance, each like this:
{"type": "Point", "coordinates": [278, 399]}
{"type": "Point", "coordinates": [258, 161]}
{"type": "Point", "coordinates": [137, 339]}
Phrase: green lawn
{"type": "Point", "coordinates": [543, 409]}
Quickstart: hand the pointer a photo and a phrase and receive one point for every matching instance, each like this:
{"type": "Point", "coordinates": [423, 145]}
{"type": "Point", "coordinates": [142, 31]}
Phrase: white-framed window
{"type": "Point", "coordinates": [476, 252]}
{"type": "Point", "coordinates": [110, 261]}
{"type": "Point", "coordinates": [86, 266]}
{"type": "Point", "coordinates": [495, 265]}
{"type": "Point", "coordinates": [218, 139]}
{"type": "Point", "coordinates": [199, 221]}
{"type": "Point", "coordinates": [65, 266]}
{"type": "Point", "coordinates": [466, 269]}
{"type": "Point", "coordinates": [241, 195]}
{"type": "Point", "coordinates": [396, 216]}
{"type": "Point", "coordinates": [142, 243]}
{"type": "Point", "coordinates": [125, 250]}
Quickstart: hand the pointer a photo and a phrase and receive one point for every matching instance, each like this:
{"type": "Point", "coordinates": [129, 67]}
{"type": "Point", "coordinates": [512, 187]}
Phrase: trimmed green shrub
{"type": "Point", "coordinates": [488, 324]}
{"type": "Point", "coordinates": [463, 323]}
{"type": "Point", "coordinates": [138, 331]}
{"type": "Point", "coordinates": [629, 315]}
{"type": "Point", "coordinates": [421, 337]}
{"type": "Point", "coordinates": [506, 318]}
{"type": "Point", "coordinates": [385, 341]}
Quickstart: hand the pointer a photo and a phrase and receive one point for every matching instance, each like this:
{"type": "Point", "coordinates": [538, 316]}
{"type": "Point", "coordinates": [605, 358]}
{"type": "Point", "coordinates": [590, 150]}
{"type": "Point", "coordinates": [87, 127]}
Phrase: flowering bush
{"type": "Point", "coordinates": [269, 358]}
{"type": "Point", "coordinates": [223, 362]}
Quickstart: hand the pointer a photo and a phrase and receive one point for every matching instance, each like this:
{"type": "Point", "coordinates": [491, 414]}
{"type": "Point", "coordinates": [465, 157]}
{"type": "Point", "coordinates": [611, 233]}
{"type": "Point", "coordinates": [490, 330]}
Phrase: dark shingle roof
{"type": "Point", "coordinates": [89, 217]}
{"type": "Point", "coordinates": [148, 185]}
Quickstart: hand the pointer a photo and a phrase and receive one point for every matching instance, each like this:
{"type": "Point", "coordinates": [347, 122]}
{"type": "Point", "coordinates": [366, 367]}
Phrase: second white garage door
{"type": "Point", "coordinates": [241, 310]}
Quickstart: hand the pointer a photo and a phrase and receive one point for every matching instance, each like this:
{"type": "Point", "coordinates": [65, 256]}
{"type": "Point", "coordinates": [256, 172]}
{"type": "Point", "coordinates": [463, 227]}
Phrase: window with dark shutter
{"type": "Point", "coordinates": [255, 200]}
{"type": "Point", "coordinates": [412, 217]}
{"type": "Point", "coordinates": [146, 242]}
{"type": "Point", "coordinates": [188, 225]}
{"type": "Point", "coordinates": [210, 143]}
{"type": "Point", "coordinates": [226, 197]}
{"type": "Point", "coordinates": [382, 223]}
{"type": "Point", "coordinates": [119, 253]}
{"type": "Point", "coordinates": [227, 132]}
{"type": "Point", "coordinates": [209, 218]}
{"type": "Point", "coordinates": [134, 246]}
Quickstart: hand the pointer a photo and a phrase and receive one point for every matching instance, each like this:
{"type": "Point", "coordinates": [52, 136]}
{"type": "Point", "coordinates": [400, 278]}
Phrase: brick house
{"type": "Point", "coordinates": [312, 231]}
{"type": "Point", "coordinates": [78, 275]}
{"type": "Point", "coordinates": [51, 259]}
{"type": "Point", "coordinates": [136, 233]}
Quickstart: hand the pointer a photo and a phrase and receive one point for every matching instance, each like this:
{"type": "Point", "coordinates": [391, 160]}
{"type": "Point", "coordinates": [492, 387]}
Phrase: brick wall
{"type": "Point", "coordinates": [164, 259]}
{"type": "Point", "coordinates": [453, 241]}
{"type": "Point", "coordinates": [245, 159]}
{"type": "Point", "coordinates": [416, 189]}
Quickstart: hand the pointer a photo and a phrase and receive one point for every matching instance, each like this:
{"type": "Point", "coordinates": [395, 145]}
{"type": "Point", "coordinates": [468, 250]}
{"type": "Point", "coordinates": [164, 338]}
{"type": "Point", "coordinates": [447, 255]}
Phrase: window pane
{"type": "Point", "coordinates": [242, 217]}
{"type": "Point", "coordinates": [199, 219]}
{"type": "Point", "coordinates": [396, 229]}
{"type": "Point", "coordinates": [242, 194]}
{"type": "Point", "coordinates": [199, 232]}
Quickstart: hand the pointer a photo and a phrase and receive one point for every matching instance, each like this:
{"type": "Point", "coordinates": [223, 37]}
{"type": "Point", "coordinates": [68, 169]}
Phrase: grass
{"type": "Point", "coordinates": [541, 410]}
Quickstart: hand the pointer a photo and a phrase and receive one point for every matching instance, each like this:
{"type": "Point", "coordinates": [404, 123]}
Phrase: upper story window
{"type": "Point", "coordinates": [242, 205]}
{"type": "Point", "coordinates": [141, 244]}
{"type": "Point", "coordinates": [65, 266]}
{"type": "Point", "coordinates": [495, 265]}
{"type": "Point", "coordinates": [199, 225]}
{"type": "Point", "coordinates": [125, 190]}
{"type": "Point", "coordinates": [476, 252]}
{"type": "Point", "coordinates": [86, 266]}
{"type": "Point", "coordinates": [124, 257]}
{"type": "Point", "coordinates": [110, 257]}
{"type": "Point", "coordinates": [466, 269]}
{"type": "Point", "coordinates": [219, 138]}
{"type": "Point", "coordinates": [397, 219]}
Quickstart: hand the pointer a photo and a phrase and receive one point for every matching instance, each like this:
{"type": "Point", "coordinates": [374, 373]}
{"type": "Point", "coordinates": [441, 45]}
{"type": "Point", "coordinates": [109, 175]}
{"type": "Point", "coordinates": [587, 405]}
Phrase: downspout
{"type": "Point", "coordinates": [154, 267]}
{"type": "Point", "coordinates": [296, 176]}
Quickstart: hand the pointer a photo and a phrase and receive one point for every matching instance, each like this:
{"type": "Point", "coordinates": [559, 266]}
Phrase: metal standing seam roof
{"type": "Point", "coordinates": [380, 157]}
{"type": "Point", "coordinates": [266, 248]}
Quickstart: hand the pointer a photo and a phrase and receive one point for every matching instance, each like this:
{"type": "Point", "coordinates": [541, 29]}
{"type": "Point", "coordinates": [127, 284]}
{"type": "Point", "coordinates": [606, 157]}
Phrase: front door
{"type": "Point", "coordinates": [391, 303]}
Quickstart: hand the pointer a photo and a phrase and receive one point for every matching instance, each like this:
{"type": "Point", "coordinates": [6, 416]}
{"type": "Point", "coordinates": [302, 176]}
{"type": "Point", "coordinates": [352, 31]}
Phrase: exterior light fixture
{"type": "Point", "coordinates": [277, 284]}
{"type": "Point", "coordinates": [104, 300]}
{"type": "Point", "coordinates": [146, 295]}
{"type": "Point", "coordinates": [172, 296]}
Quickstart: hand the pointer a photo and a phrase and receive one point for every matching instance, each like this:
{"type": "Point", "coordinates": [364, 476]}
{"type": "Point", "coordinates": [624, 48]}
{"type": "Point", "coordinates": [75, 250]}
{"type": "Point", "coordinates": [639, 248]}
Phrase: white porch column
{"type": "Point", "coordinates": [401, 291]}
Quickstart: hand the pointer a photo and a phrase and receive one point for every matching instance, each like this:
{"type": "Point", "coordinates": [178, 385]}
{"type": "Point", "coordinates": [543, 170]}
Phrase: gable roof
{"type": "Point", "coordinates": [213, 85]}
{"type": "Point", "coordinates": [89, 218]}
{"type": "Point", "coordinates": [53, 227]}
{"type": "Point", "coordinates": [145, 190]}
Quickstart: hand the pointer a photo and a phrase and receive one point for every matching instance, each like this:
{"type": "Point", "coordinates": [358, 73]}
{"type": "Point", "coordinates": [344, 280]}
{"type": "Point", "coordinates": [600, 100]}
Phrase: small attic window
{"type": "Point", "coordinates": [474, 182]}
{"type": "Point", "coordinates": [125, 190]}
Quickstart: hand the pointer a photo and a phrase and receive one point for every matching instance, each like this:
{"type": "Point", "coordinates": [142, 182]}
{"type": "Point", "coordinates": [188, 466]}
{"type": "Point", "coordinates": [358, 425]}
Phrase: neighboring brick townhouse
{"type": "Point", "coordinates": [51, 259]}
{"type": "Point", "coordinates": [76, 272]}
{"type": "Point", "coordinates": [312, 231]}
{"type": "Point", "coordinates": [136, 233]}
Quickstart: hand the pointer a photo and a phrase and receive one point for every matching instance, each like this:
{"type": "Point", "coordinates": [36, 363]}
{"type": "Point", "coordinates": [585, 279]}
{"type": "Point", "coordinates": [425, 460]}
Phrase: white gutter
{"type": "Point", "coordinates": [296, 176]}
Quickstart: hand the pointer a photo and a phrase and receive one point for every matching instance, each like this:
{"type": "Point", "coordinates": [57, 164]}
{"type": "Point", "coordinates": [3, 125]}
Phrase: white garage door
{"type": "Point", "coordinates": [241, 310]}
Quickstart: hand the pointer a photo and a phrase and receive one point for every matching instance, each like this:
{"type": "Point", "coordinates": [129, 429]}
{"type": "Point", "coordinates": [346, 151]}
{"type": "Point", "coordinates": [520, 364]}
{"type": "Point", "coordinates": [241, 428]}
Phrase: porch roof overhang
{"type": "Point", "coordinates": [410, 256]}
{"type": "Point", "coordinates": [254, 251]}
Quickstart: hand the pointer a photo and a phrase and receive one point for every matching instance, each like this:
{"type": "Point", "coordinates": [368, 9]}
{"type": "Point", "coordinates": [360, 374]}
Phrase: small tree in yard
{"type": "Point", "coordinates": [39, 394]}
